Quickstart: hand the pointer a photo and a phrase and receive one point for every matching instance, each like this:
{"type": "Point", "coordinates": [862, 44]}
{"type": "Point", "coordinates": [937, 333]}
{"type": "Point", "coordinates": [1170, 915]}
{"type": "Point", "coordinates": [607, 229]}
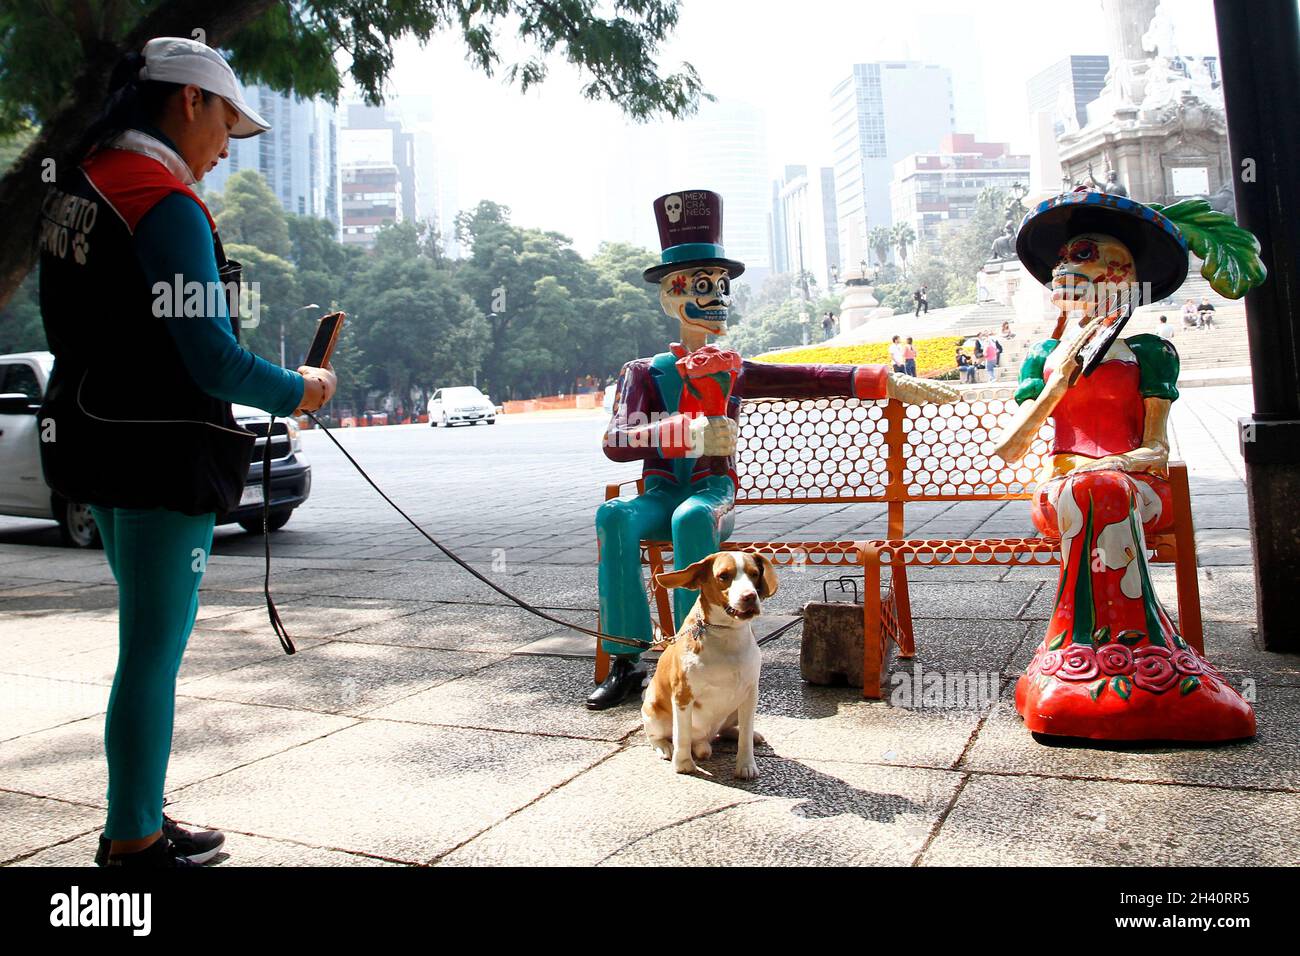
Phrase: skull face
{"type": "Point", "coordinates": [1093, 273]}
{"type": "Point", "coordinates": [698, 297]}
{"type": "Point", "coordinates": [673, 206]}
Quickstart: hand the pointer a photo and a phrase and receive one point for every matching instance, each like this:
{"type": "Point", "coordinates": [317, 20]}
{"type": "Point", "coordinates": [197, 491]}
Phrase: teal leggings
{"type": "Point", "coordinates": [158, 558]}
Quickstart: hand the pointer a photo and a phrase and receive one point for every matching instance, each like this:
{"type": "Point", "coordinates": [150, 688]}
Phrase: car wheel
{"type": "Point", "coordinates": [278, 520]}
{"type": "Point", "coordinates": [77, 525]}
{"type": "Point", "coordinates": [491, 421]}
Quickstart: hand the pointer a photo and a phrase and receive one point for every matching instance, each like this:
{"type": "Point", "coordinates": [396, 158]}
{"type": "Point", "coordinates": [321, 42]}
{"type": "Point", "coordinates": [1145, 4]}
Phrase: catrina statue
{"type": "Point", "coordinates": [678, 412]}
{"type": "Point", "coordinates": [1113, 665]}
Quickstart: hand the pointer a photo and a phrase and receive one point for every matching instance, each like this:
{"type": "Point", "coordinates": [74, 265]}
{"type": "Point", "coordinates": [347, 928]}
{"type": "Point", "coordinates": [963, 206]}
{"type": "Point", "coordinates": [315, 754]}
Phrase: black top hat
{"type": "Point", "coordinates": [690, 234]}
{"type": "Point", "coordinates": [1158, 247]}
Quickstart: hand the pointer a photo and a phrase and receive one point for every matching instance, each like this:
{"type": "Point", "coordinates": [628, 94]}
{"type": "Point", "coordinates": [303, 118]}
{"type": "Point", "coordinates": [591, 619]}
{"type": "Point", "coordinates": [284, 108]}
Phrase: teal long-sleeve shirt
{"type": "Point", "coordinates": [174, 239]}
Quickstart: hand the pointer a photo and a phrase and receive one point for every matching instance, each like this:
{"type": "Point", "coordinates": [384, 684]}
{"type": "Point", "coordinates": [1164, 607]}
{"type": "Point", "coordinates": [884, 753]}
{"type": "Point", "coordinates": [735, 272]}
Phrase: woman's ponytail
{"type": "Point", "coordinates": [131, 102]}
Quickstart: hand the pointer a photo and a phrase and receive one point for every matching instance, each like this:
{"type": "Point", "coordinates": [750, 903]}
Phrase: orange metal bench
{"type": "Point", "coordinates": [838, 451]}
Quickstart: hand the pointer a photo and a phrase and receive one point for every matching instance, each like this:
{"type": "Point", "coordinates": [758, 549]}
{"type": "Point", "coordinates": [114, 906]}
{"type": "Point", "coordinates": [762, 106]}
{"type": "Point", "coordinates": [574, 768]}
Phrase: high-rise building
{"type": "Point", "coordinates": [808, 235]}
{"type": "Point", "coordinates": [298, 156]}
{"type": "Point", "coordinates": [724, 148]}
{"type": "Point", "coordinates": [1064, 90]}
{"type": "Point", "coordinates": [378, 173]}
{"type": "Point", "coordinates": [935, 189]}
{"type": "Point", "coordinates": [880, 113]}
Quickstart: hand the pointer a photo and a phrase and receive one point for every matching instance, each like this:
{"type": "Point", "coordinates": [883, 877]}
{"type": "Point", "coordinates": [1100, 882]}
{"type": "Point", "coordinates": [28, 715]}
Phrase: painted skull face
{"type": "Point", "coordinates": [1092, 273]}
{"type": "Point", "coordinates": [698, 297]}
{"type": "Point", "coordinates": [673, 207]}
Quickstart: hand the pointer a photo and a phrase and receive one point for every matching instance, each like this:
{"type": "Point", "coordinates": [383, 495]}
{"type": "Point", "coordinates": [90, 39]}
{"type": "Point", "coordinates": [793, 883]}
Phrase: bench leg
{"type": "Point", "coordinates": [667, 623]}
{"type": "Point", "coordinates": [1189, 585]}
{"type": "Point", "coordinates": [873, 643]}
{"type": "Point", "coordinates": [902, 607]}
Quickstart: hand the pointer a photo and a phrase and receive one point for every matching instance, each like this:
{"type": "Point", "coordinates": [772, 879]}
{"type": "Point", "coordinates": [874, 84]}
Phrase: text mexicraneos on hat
{"type": "Point", "coordinates": [690, 234]}
{"type": "Point", "coordinates": [181, 60]}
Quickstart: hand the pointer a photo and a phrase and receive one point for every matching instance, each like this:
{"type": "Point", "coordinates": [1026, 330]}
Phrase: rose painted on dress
{"type": "Point", "coordinates": [1153, 669]}
{"type": "Point", "coordinates": [1032, 669]}
{"type": "Point", "coordinates": [1115, 660]}
{"type": "Point", "coordinates": [1078, 663]}
{"type": "Point", "coordinates": [1051, 663]}
{"type": "Point", "coordinates": [1185, 662]}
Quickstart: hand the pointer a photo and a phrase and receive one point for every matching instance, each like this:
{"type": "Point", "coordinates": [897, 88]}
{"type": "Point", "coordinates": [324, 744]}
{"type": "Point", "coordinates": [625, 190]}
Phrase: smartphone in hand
{"type": "Point", "coordinates": [327, 335]}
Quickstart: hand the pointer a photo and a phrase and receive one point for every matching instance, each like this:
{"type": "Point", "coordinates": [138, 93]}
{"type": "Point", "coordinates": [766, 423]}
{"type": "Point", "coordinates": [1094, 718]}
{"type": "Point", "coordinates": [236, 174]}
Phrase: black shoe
{"type": "Point", "coordinates": [197, 846]}
{"type": "Point", "coordinates": [625, 676]}
{"type": "Point", "coordinates": [160, 853]}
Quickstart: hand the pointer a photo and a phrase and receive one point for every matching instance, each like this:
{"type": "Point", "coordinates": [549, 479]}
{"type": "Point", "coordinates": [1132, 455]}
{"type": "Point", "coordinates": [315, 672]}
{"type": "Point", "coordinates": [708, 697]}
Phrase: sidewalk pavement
{"type": "Point", "coordinates": [424, 720]}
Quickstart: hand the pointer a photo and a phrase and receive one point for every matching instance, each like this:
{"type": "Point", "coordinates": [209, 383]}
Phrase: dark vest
{"type": "Point", "coordinates": [123, 424]}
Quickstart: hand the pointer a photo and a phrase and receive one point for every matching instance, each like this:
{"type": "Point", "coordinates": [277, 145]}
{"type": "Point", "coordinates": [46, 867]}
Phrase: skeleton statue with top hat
{"type": "Point", "coordinates": [678, 413]}
{"type": "Point", "coordinates": [1113, 665]}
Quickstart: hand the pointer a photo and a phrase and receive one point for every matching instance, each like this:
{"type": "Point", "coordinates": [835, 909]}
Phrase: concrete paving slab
{"type": "Point", "coordinates": [524, 694]}
{"type": "Point", "coordinates": [29, 824]}
{"type": "Point", "coordinates": [210, 737]}
{"type": "Point", "coordinates": [487, 628]}
{"type": "Point", "coordinates": [634, 810]}
{"type": "Point", "coordinates": [240, 849]}
{"type": "Point", "coordinates": [29, 704]}
{"type": "Point", "coordinates": [1270, 762]}
{"type": "Point", "coordinates": [1007, 821]}
{"type": "Point", "coordinates": [403, 792]}
{"type": "Point", "coordinates": [338, 677]}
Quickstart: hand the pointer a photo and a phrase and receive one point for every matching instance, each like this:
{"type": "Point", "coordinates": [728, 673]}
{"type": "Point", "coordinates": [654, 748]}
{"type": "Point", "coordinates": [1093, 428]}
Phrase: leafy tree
{"type": "Point", "coordinates": [21, 328]}
{"type": "Point", "coordinates": [251, 215]}
{"type": "Point", "coordinates": [56, 59]}
{"type": "Point", "coordinates": [273, 290]}
{"type": "Point", "coordinates": [628, 315]}
{"type": "Point", "coordinates": [880, 239]}
{"type": "Point", "coordinates": [771, 327]}
{"type": "Point", "coordinates": [903, 236]}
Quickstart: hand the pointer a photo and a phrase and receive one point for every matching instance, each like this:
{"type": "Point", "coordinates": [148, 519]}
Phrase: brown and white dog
{"type": "Point", "coordinates": [706, 683]}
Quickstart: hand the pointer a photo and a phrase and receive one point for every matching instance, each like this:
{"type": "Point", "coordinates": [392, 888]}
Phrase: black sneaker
{"type": "Point", "coordinates": [196, 846]}
{"type": "Point", "coordinates": [160, 853]}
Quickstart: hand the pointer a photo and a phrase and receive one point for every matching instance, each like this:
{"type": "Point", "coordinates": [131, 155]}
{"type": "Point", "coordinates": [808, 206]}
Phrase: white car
{"type": "Point", "coordinates": [463, 404]}
{"type": "Point", "coordinates": [24, 493]}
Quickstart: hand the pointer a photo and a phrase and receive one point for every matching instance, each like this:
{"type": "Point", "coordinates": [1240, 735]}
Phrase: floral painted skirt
{"type": "Point", "coordinates": [1113, 665]}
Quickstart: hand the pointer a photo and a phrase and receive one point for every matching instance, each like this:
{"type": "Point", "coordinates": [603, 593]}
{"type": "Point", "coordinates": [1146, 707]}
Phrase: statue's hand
{"type": "Point", "coordinates": [714, 436]}
{"type": "Point", "coordinates": [918, 391]}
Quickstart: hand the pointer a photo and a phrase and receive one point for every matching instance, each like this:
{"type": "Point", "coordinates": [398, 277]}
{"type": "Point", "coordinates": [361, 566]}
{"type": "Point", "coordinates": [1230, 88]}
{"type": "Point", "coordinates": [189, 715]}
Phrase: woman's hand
{"type": "Point", "coordinates": [318, 387]}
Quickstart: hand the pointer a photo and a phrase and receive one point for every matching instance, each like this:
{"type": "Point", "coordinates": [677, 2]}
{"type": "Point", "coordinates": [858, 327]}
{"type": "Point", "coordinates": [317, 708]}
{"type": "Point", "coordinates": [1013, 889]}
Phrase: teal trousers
{"type": "Point", "coordinates": [696, 518]}
{"type": "Point", "coordinates": [158, 558]}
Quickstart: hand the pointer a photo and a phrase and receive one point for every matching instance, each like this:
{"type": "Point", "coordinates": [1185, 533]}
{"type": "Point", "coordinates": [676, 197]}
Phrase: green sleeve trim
{"type": "Point", "coordinates": [1031, 371]}
{"type": "Point", "coordinates": [1159, 366]}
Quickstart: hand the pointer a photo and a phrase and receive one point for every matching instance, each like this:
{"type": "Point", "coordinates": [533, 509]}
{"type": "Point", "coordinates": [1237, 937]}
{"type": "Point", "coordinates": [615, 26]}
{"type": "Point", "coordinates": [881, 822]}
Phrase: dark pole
{"type": "Point", "coordinates": [1259, 63]}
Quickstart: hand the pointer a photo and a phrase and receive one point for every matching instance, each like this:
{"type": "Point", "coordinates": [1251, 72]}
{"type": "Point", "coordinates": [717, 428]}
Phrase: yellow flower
{"type": "Point", "coordinates": [933, 356]}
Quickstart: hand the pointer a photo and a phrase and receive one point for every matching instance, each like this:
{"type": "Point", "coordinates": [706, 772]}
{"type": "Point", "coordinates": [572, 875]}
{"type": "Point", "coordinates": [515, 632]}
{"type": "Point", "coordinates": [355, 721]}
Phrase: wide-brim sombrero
{"type": "Point", "coordinates": [1158, 247]}
{"type": "Point", "coordinates": [655, 273]}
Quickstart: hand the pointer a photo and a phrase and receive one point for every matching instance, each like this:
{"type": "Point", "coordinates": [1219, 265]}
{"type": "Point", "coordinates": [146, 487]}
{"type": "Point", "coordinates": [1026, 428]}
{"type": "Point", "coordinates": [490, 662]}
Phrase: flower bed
{"type": "Point", "coordinates": [934, 356]}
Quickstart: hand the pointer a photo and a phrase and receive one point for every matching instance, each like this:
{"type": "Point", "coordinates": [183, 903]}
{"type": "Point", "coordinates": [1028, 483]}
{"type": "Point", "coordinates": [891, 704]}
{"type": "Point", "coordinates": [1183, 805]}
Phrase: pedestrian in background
{"type": "Point", "coordinates": [909, 357]}
{"type": "Point", "coordinates": [896, 359]}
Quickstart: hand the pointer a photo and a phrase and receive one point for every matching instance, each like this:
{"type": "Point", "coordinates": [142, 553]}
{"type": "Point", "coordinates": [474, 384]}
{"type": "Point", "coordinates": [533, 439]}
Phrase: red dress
{"type": "Point", "coordinates": [1112, 665]}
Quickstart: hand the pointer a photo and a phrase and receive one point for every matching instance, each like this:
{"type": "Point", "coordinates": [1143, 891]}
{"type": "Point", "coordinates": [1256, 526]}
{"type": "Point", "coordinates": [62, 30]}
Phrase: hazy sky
{"type": "Point", "coordinates": [539, 153]}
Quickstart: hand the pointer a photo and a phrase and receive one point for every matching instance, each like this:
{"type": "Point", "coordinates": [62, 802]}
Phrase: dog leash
{"type": "Point", "coordinates": [278, 625]}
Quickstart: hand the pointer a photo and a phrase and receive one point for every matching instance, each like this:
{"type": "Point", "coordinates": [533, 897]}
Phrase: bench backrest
{"type": "Point", "coordinates": [847, 450]}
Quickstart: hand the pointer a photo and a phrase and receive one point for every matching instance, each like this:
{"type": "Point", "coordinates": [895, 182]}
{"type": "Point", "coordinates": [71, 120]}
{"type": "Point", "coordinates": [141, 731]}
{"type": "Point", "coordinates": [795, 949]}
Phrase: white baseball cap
{"type": "Point", "coordinates": [181, 60]}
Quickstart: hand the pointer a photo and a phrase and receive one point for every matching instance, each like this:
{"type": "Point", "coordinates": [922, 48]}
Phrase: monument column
{"type": "Point", "coordinates": [1257, 61]}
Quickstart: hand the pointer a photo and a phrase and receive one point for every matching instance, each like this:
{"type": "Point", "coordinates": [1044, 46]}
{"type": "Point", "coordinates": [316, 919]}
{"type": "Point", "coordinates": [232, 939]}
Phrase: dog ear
{"type": "Point", "coordinates": [766, 576]}
{"type": "Point", "coordinates": [689, 577]}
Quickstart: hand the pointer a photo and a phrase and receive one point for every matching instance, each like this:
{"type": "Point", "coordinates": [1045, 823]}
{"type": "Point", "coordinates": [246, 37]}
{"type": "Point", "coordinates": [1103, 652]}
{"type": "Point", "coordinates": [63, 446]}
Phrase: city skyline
{"type": "Point", "coordinates": [579, 168]}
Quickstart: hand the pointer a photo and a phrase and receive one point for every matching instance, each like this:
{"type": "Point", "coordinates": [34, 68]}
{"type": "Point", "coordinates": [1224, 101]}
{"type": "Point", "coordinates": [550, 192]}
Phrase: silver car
{"type": "Point", "coordinates": [462, 404]}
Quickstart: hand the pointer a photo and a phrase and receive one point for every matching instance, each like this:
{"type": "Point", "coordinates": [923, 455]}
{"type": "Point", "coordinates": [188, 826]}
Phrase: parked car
{"type": "Point", "coordinates": [460, 404]}
{"type": "Point", "coordinates": [23, 492]}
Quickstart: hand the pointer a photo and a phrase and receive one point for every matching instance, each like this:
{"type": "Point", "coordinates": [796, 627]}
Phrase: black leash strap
{"type": "Point", "coordinates": [277, 625]}
{"type": "Point", "coordinates": [270, 605]}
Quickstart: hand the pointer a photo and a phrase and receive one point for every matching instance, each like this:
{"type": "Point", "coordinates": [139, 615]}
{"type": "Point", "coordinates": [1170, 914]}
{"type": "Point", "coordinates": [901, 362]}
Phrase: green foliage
{"type": "Point", "coordinates": [13, 144]}
{"type": "Point", "coordinates": [880, 240]}
{"type": "Point", "coordinates": [250, 214]}
{"type": "Point", "coordinates": [293, 46]}
{"type": "Point", "coordinates": [772, 327]}
{"type": "Point", "coordinates": [1232, 263]}
{"type": "Point", "coordinates": [21, 328]}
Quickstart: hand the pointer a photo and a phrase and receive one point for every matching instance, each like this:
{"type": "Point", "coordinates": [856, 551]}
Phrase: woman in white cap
{"type": "Point", "coordinates": [138, 406]}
